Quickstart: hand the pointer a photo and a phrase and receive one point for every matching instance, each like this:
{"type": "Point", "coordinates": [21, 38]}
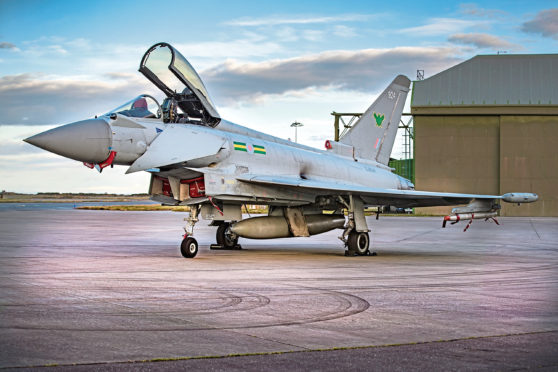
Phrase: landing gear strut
{"type": "Point", "coordinates": [189, 246]}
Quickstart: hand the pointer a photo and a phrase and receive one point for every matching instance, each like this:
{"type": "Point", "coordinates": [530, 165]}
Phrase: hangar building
{"type": "Point", "coordinates": [490, 125]}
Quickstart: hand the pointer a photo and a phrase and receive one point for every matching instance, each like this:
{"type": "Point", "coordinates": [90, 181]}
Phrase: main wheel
{"type": "Point", "coordinates": [224, 237]}
{"type": "Point", "coordinates": [359, 242]}
{"type": "Point", "coordinates": [189, 247]}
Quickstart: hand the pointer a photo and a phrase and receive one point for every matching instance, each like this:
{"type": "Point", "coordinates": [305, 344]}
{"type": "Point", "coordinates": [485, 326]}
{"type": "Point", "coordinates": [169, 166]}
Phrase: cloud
{"type": "Point", "coordinates": [544, 23]}
{"type": "Point", "coordinates": [312, 35]}
{"type": "Point", "coordinates": [482, 41]}
{"type": "Point", "coordinates": [33, 99]}
{"type": "Point", "coordinates": [95, 82]}
{"type": "Point", "coordinates": [441, 26]}
{"type": "Point", "coordinates": [362, 70]}
{"type": "Point", "coordinates": [14, 148]}
{"type": "Point", "coordinates": [247, 47]}
{"type": "Point", "coordinates": [274, 21]}
{"type": "Point", "coordinates": [121, 76]}
{"type": "Point", "coordinates": [286, 34]}
{"type": "Point", "coordinates": [344, 31]}
{"type": "Point", "coordinates": [37, 99]}
{"type": "Point", "coordinates": [473, 10]}
{"type": "Point", "coordinates": [48, 46]}
{"type": "Point", "coordinates": [6, 45]}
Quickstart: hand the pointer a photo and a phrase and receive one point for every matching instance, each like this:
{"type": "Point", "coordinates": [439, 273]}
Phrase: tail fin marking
{"type": "Point", "coordinates": [374, 133]}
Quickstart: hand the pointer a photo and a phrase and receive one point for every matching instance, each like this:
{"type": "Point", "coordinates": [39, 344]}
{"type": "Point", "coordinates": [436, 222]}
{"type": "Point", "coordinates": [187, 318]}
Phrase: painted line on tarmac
{"type": "Point", "coordinates": [130, 362]}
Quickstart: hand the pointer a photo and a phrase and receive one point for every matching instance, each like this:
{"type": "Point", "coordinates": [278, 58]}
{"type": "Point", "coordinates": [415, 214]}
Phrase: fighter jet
{"type": "Point", "coordinates": [214, 166]}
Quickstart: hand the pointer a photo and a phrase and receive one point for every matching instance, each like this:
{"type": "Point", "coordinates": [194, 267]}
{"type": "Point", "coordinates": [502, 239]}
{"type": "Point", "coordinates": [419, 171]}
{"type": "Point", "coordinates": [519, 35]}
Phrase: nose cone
{"type": "Point", "coordinates": [87, 140]}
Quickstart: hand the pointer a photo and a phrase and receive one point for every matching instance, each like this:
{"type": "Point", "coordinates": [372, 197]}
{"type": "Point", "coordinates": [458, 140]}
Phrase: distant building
{"type": "Point", "coordinates": [490, 125]}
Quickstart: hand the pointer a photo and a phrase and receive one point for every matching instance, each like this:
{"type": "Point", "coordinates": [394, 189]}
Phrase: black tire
{"type": "Point", "coordinates": [359, 242]}
{"type": "Point", "coordinates": [223, 238]}
{"type": "Point", "coordinates": [189, 247]}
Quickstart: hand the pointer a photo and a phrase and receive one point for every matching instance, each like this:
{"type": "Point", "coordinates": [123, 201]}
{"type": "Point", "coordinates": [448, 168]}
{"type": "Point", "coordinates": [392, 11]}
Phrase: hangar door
{"type": "Point", "coordinates": [529, 162]}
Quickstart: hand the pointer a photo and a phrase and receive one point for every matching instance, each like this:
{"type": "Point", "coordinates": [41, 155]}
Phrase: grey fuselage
{"type": "Point", "coordinates": [277, 157]}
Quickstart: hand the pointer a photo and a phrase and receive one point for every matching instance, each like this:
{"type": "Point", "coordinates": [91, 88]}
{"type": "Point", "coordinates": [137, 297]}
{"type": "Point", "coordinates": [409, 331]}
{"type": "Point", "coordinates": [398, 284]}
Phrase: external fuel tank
{"type": "Point", "coordinates": [270, 227]}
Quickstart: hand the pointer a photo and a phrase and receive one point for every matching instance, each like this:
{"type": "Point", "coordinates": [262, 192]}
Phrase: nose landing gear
{"type": "Point", "coordinates": [189, 245]}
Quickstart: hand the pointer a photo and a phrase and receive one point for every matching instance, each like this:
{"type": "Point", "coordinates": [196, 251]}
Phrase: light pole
{"type": "Point", "coordinates": [295, 125]}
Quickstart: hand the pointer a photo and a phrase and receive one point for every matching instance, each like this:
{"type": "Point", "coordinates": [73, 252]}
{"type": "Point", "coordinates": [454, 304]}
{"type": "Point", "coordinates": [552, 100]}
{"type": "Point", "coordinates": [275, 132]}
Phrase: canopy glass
{"type": "Point", "coordinates": [173, 74]}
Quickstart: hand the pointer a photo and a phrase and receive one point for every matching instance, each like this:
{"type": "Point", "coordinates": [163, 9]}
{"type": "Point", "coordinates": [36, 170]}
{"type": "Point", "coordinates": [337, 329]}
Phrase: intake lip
{"type": "Point", "coordinates": [87, 140]}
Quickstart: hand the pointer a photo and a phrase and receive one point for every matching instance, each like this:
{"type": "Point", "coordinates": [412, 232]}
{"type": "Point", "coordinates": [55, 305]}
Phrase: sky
{"type": "Point", "coordinates": [265, 64]}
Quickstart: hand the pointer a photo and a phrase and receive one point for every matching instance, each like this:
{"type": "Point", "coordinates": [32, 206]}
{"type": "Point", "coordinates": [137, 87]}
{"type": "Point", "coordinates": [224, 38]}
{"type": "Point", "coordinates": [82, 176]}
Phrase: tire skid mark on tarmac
{"type": "Point", "coordinates": [514, 281]}
{"type": "Point", "coordinates": [231, 304]}
{"type": "Point", "coordinates": [484, 283]}
{"type": "Point", "coordinates": [347, 305]}
{"type": "Point", "coordinates": [242, 298]}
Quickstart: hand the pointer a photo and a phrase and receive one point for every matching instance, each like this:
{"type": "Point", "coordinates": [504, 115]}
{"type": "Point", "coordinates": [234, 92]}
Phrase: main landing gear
{"type": "Point", "coordinates": [355, 236]}
{"type": "Point", "coordinates": [358, 244]}
{"type": "Point", "coordinates": [226, 239]}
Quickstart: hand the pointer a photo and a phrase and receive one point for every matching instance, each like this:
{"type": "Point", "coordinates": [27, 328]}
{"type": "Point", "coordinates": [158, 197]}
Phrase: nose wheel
{"type": "Point", "coordinates": [189, 247]}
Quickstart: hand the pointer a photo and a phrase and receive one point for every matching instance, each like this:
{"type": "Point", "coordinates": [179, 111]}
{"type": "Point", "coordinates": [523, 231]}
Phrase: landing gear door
{"type": "Point", "coordinates": [165, 67]}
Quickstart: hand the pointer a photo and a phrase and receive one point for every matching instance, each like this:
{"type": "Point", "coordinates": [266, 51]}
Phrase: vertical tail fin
{"type": "Point", "coordinates": [373, 134]}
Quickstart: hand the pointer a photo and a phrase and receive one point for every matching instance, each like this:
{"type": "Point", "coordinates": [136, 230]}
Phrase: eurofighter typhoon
{"type": "Point", "coordinates": [200, 160]}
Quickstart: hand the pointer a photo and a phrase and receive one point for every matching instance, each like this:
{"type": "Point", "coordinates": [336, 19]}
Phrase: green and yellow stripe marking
{"type": "Point", "coordinates": [259, 150]}
{"type": "Point", "coordinates": [240, 146]}
{"type": "Point", "coordinates": [249, 148]}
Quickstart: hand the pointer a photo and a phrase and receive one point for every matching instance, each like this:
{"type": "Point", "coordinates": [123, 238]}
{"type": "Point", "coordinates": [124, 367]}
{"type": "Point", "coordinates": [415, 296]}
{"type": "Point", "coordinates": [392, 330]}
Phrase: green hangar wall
{"type": "Point", "coordinates": [490, 125]}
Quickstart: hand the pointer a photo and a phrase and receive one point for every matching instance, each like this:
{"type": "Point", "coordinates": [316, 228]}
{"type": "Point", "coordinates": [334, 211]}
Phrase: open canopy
{"type": "Point", "coordinates": [165, 67]}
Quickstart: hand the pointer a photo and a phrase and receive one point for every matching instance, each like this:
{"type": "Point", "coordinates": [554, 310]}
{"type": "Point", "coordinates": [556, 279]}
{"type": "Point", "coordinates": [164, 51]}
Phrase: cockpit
{"type": "Point", "coordinates": [187, 99]}
{"type": "Point", "coordinates": [142, 106]}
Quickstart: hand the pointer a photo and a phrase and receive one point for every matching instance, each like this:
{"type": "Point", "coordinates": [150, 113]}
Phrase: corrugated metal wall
{"type": "Point", "coordinates": [489, 155]}
{"type": "Point", "coordinates": [529, 161]}
{"type": "Point", "coordinates": [492, 80]}
{"type": "Point", "coordinates": [490, 125]}
{"type": "Point", "coordinates": [456, 154]}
